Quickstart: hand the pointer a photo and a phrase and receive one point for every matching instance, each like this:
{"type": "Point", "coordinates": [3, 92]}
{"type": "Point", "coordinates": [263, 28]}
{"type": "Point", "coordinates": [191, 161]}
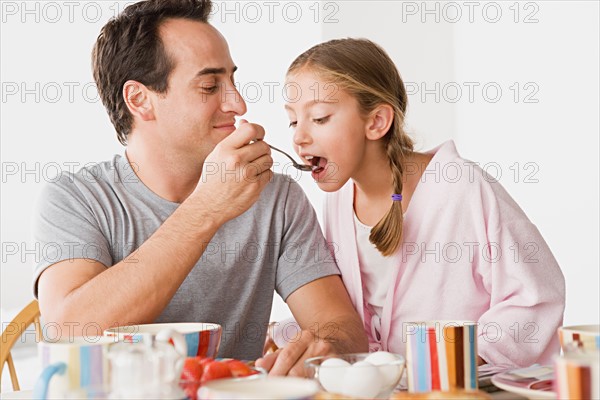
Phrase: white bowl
{"type": "Point", "coordinates": [268, 388]}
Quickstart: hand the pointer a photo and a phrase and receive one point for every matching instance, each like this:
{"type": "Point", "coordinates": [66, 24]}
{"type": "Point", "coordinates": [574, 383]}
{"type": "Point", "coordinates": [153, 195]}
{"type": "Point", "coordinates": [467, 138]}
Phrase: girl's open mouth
{"type": "Point", "coordinates": [318, 163]}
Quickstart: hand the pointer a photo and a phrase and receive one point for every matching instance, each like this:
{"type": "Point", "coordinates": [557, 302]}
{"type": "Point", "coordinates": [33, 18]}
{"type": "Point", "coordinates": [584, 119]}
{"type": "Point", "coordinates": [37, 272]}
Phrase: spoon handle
{"type": "Point", "coordinates": [301, 167]}
{"type": "Point", "coordinates": [284, 153]}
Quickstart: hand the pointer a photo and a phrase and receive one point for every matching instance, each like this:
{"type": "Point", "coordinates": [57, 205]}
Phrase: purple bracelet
{"type": "Point", "coordinates": [397, 197]}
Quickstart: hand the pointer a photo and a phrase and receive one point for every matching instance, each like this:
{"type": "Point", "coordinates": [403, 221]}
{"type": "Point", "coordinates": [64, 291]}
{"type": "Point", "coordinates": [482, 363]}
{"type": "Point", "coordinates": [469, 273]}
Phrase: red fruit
{"type": "Point", "coordinates": [215, 370]}
{"type": "Point", "coordinates": [190, 389]}
{"type": "Point", "coordinates": [238, 368]}
{"type": "Point", "coordinates": [192, 370]}
{"type": "Point", "coordinates": [204, 360]}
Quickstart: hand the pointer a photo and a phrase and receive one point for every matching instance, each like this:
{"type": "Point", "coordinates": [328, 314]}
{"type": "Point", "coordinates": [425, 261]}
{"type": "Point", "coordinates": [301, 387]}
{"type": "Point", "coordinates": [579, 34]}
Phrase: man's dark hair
{"type": "Point", "coordinates": [129, 48]}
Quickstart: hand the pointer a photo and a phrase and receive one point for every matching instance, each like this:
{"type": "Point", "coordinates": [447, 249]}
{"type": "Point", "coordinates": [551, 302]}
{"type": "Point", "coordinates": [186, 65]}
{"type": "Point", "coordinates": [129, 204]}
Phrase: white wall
{"type": "Point", "coordinates": [51, 119]}
{"type": "Point", "coordinates": [45, 125]}
{"type": "Point", "coordinates": [550, 49]}
{"type": "Point", "coordinates": [423, 52]}
{"type": "Point", "coordinates": [550, 123]}
{"type": "Point", "coordinates": [559, 54]}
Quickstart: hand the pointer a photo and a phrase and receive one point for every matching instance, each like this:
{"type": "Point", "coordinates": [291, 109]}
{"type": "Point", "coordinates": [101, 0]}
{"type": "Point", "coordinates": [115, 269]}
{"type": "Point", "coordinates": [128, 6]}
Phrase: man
{"type": "Point", "coordinates": [190, 224]}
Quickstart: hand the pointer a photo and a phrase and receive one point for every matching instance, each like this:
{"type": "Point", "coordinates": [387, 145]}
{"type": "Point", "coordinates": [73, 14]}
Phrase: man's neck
{"type": "Point", "coordinates": [171, 177]}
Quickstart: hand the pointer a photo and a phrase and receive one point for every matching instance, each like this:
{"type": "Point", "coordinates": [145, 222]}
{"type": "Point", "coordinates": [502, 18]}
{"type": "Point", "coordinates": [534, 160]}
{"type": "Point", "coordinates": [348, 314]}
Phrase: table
{"type": "Point", "coordinates": [28, 394]}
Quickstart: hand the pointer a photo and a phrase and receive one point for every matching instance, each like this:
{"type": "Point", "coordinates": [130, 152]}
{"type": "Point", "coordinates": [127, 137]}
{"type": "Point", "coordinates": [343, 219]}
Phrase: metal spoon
{"type": "Point", "coordinates": [301, 167]}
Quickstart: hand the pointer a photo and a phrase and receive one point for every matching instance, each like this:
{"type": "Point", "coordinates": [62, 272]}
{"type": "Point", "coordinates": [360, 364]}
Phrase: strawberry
{"type": "Point", "coordinates": [190, 389]}
{"type": "Point", "coordinates": [215, 370]}
{"type": "Point", "coordinates": [238, 368]}
{"type": "Point", "coordinates": [190, 377]}
{"type": "Point", "coordinates": [204, 360]}
{"type": "Point", "coordinates": [192, 370]}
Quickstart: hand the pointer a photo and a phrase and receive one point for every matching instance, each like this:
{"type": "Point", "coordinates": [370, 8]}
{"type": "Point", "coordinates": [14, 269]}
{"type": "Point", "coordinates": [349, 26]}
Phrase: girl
{"type": "Point", "coordinates": [413, 243]}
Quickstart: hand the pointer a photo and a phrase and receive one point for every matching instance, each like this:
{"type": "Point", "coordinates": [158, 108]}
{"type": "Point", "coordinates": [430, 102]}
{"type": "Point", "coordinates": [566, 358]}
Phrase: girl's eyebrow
{"type": "Point", "coordinates": [313, 103]}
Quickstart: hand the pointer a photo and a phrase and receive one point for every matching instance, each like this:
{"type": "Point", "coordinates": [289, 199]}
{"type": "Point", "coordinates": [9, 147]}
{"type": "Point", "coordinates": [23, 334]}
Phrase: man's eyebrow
{"type": "Point", "coordinates": [213, 71]}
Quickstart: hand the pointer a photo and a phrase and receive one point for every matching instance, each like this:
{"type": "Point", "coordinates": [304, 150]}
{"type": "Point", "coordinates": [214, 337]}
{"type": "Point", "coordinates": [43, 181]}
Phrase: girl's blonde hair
{"type": "Point", "coordinates": [365, 71]}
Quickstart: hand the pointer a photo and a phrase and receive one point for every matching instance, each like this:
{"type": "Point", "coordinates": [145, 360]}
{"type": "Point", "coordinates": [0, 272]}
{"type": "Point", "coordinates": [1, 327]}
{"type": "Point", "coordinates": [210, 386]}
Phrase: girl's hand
{"type": "Point", "coordinates": [290, 359]}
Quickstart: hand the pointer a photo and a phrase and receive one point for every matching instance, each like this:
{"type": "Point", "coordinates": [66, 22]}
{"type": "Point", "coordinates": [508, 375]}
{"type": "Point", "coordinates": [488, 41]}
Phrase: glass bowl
{"type": "Point", "coordinates": [363, 375]}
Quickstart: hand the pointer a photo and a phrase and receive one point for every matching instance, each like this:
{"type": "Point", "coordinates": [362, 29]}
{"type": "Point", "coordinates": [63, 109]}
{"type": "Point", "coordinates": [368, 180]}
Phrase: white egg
{"type": "Point", "coordinates": [362, 380]}
{"type": "Point", "coordinates": [331, 374]}
{"type": "Point", "coordinates": [380, 357]}
{"type": "Point", "coordinates": [389, 373]}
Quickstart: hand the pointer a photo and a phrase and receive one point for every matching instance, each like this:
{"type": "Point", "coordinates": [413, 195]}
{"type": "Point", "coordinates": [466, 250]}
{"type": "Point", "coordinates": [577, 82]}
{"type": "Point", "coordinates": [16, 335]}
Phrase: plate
{"type": "Point", "coordinates": [23, 394]}
{"type": "Point", "coordinates": [535, 382]}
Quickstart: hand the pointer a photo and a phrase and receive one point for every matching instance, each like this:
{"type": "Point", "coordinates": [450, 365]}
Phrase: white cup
{"type": "Point", "coordinates": [72, 365]}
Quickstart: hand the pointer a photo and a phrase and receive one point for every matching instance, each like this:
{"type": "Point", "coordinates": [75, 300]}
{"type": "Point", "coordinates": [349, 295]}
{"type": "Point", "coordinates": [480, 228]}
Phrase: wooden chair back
{"type": "Point", "coordinates": [13, 331]}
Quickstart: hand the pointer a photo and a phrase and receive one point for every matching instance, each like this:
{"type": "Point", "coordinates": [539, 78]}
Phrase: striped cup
{"type": "Point", "coordinates": [580, 338]}
{"type": "Point", "coordinates": [441, 355]}
{"type": "Point", "coordinates": [72, 364]}
{"type": "Point", "coordinates": [201, 339]}
{"type": "Point", "coordinates": [577, 376]}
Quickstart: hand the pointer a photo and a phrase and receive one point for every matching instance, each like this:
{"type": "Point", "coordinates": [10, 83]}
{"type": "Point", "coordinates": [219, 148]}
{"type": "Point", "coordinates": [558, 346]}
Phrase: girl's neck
{"type": "Point", "coordinates": [374, 179]}
{"type": "Point", "coordinates": [372, 197]}
{"type": "Point", "coordinates": [373, 187]}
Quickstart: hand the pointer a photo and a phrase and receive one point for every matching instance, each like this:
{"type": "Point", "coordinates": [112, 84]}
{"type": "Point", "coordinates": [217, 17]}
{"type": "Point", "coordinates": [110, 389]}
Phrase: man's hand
{"type": "Point", "coordinates": [289, 360]}
{"type": "Point", "coordinates": [235, 173]}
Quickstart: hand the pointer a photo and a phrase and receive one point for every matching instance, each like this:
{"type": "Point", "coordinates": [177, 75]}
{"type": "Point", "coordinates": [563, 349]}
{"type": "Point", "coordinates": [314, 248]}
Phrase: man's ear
{"type": "Point", "coordinates": [379, 121]}
{"type": "Point", "coordinates": [137, 98]}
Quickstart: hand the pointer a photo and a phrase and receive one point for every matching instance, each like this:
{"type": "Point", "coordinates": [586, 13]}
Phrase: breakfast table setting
{"type": "Point", "coordinates": [179, 361]}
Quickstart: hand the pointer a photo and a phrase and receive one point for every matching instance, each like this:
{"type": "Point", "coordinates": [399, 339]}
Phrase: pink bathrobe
{"type": "Point", "coordinates": [469, 253]}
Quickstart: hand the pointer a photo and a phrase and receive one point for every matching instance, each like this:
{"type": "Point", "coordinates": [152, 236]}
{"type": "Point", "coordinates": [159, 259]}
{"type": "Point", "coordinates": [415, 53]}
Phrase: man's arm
{"type": "Point", "coordinates": [133, 291]}
{"type": "Point", "coordinates": [74, 293]}
{"type": "Point", "coordinates": [329, 324]}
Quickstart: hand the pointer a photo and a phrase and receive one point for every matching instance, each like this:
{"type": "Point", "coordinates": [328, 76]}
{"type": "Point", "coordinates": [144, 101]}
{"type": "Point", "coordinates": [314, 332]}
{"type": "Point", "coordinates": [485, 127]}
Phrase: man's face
{"type": "Point", "coordinates": [200, 106]}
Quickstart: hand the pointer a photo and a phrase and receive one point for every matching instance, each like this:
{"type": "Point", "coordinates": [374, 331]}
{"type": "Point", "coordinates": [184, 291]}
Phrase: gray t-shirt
{"type": "Point", "coordinates": [105, 212]}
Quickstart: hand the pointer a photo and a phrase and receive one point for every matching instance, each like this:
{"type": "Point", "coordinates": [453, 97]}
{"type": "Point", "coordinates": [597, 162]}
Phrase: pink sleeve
{"type": "Point", "coordinates": [527, 297]}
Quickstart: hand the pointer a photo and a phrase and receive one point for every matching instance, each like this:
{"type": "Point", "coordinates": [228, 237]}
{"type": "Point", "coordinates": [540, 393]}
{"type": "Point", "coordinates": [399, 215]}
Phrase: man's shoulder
{"type": "Point", "coordinates": [91, 177]}
{"type": "Point", "coordinates": [282, 180]}
{"type": "Point", "coordinates": [283, 186]}
{"type": "Point", "coordinates": [279, 183]}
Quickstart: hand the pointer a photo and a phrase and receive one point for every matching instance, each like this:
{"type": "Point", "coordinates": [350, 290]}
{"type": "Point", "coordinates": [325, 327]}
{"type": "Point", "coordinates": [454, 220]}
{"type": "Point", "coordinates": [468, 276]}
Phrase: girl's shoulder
{"type": "Point", "coordinates": [466, 182]}
{"type": "Point", "coordinates": [446, 166]}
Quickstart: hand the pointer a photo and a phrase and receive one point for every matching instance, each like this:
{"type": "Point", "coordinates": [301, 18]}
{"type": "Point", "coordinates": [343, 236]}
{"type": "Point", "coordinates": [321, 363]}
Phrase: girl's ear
{"type": "Point", "coordinates": [379, 121]}
{"type": "Point", "coordinates": [137, 98]}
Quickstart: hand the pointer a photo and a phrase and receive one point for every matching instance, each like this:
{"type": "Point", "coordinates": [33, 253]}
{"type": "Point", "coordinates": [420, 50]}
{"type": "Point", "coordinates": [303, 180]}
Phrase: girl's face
{"type": "Point", "coordinates": [329, 131]}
